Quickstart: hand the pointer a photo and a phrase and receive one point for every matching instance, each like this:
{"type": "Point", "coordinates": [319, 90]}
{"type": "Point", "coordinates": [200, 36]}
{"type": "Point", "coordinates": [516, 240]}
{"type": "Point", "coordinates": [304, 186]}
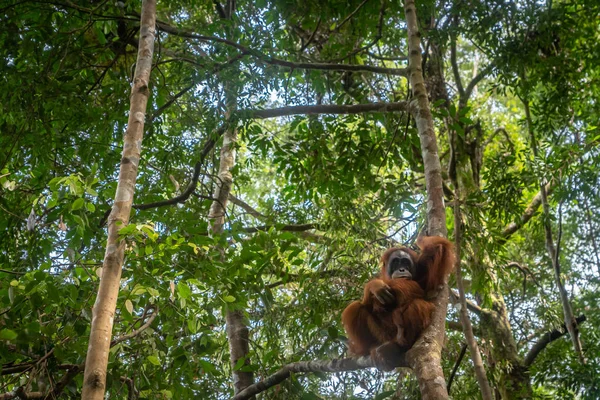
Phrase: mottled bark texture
{"type": "Point", "coordinates": [237, 330]}
{"type": "Point", "coordinates": [514, 382]}
{"type": "Point", "coordinates": [436, 213]}
{"type": "Point", "coordinates": [94, 381]}
{"type": "Point", "coordinates": [425, 356]}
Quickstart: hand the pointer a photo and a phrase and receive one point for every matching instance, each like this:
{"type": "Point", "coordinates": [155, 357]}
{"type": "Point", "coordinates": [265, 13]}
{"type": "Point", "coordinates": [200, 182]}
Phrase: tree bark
{"type": "Point", "coordinates": [94, 381]}
{"type": "Point", "coordinates": [436, 212]}
{"type": "Point", "coordinates": [236, 329]}
{"type": "Point", "coordinates": [546, 339]}
{"type": "Point", "coordinates": [335, 365]}
{"type": "Point", "coordinates": [425, 355]}
{"type": "Point", "coordinates": [480, 374]}
{"type": "Point", "coordinates": [514, 382]}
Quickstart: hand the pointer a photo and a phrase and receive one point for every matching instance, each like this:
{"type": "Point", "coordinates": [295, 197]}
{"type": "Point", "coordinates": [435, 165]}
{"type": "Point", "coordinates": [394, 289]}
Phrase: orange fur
{"type": "Point", "coordinates": [378, 329]}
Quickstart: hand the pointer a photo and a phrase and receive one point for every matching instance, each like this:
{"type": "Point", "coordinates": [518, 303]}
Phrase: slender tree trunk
{"type": "Point", "coordinates": [454, 167]}
{"type": "Point", "coordinates": [480, 374]}
{"type": "Point", "coordinates": [94, 381]}
{"type": "Point", "coordinates": [570, 321]}
{"type": "Point", "coordinates": [238, 335]}
{"type": "Point", "coordinates": [514, 382]}
{"type": "Point", "coordinates": [237, 331]}
{"type": "Point", "coordinates": [513, 376]}
{"type": "Point", "coordinates": [425, 355]}
{"type": "Point", "coordinates": [436, 212]}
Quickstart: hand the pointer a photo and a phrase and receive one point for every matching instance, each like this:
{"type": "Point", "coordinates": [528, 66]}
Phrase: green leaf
{"type": "Point", "coordinates": [129, 306]}
{"type": "Point", "coordinates": [249, 368]}
{"type": "Point", "coordinates": [7, 334]}
{"type": "Point", "coordinates": [137, 290]}
{"type": "Point", "coordinates": [154, 360]}
{"type": "Point", "coordinates": [384, 395]}
{"type": "Point", "coordinates": [127, 230]}
{"type": "Point", "coordinates": [332, 332]}
{"type": "Point", "coordinates": [240, 362]}
{"type": "Point", "coordinates": [229, 299]}
{"type": "Point", "coordinates": [77, 204]}
{"type": "Point", "coordinates": [184, 290]}
{"type": "Point", "coordinates": [206, 366]}
{"type": "Point", "coordinates": [452, 110]}
{"type": "Point", "coordinates": [191, 323]}
{"type": "Point", "coordinates": [309, 396]}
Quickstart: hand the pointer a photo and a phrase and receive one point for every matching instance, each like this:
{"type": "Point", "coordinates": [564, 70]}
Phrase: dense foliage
{"type": "Point", "coordinates": [316, 198]}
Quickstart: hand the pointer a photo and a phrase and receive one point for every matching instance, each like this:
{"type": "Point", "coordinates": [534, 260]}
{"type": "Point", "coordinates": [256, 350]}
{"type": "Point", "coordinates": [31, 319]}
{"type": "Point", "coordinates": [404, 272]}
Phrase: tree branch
{"type": "Point", "coordinates": [326, 109]}
{"type": "Point", "coordinates": [461, 355]}
{"type": "Point", "coordinates": [247, 207]}
{"type": "Point", "coordinates": [262, 114]}
{"type": "Point", "coordinates": [348, 18]}
{"type": "Point", "coordinates": [20, 393]}
{"type": "Point", "coordinates": [455, 70]}
{"type": "Point", "coordinates": [373, 42]}
{"type": "Point", "coordinates": [531, 209]}
{"type": "Point", "coordinates": [478, 78]}
{"type": "Point", "coordinates": [289, 228]}
{"type": "Point", "coordinates": [132, 392]}
{"type": "Point", "coordinates": [216, 68]}
{"type": "Point", "coordinates": [136, 332]}
{"type": "Point", "coordinates": [546, 339]}
{"type": "Point", "coordinates": [54, 393]}
{"type": "Point", "coordinates": [493, 135]}
{"type": "Point", "coordinates": [71, 373]}
{"type": "Point", "coordinates": [454, 299]}
{"type": "Point", "coordinates": [172, 100]}
{"type": "Point", "coordinates": [457, 326]}
{"type": "Point", "coordinates": [208, 146]}
{"type": "Point", "coordinates": [276, 61]}
{"type": "Point", "coordinates": [311, 37]}
{"type": "Point", "coordinates": [554, 251]}
{"type": "Point", "coordinates": [335, 365]}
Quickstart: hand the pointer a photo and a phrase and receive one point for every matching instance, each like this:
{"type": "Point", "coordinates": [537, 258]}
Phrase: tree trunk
{"type": "Point", "coordinates": [94, 381]}
{"type": "Point", "coordinates": [457, 152]}
{"type": "Point", "coordinates": [425, 355]}
{"type": "Point", "coordinates": [237, 331]}
{"type": "Point", "coordinates": [436, 212]}
{"type": "Point", "coordinates": [570, 321]}
{"type": "Point", "coordinates": [514, 382]}
{"type": "Point", "coordinates": [480, 374]}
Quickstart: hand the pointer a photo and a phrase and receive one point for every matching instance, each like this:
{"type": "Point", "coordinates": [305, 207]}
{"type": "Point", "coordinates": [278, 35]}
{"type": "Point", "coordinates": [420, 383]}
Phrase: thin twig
{"type": "Point", "coordinates": [461, 355]}
{"type": "Point", "coordinates": [136, 332]}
